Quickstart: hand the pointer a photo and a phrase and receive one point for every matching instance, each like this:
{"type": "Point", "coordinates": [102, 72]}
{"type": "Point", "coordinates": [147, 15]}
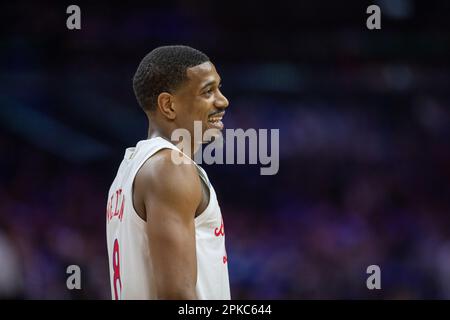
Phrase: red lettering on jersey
{"type": "Point", "coordinates": [116, 269]}
{"type": "Point", "coordinates": [219, 231]}
{"type": "Point", "coordinates": [121, 208]}
{"type": "Point", "coordinates": [107, 210]}
{"type": "Point", "coordinates": [119, 199]}
{"type": "Point", "coordinates": [225, 257]}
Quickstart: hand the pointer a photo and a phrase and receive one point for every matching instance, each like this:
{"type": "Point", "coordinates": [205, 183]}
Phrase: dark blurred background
{"type": "Point", "coordinates": [364, 141]}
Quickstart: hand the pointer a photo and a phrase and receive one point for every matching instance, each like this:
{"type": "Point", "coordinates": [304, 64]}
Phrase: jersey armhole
{"type": "Point", "coordinates": [135, 215]}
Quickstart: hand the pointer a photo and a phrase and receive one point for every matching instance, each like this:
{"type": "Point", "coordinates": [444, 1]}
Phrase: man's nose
{"type": "Point", "coordinates": [221, 101]}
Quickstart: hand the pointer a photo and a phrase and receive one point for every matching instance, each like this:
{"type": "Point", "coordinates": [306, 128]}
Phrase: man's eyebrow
{"type": "Point", "coordinates": [211, 82]}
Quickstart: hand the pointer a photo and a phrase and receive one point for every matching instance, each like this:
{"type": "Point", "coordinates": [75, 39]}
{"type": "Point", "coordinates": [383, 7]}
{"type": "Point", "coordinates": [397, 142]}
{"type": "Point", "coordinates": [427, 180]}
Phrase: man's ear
{"type": "Point", "coordinates": [166, 105]}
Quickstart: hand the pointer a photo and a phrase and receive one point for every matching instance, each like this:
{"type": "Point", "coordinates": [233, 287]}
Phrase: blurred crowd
{"type": "Point", "coordinates": [351, 192]}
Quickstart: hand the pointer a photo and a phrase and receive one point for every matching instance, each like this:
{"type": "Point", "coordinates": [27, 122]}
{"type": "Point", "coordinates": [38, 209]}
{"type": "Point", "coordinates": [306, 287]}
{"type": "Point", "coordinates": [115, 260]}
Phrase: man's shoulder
{"type": "Point", "coordinates": [167, 169]}
{"type": "Point", "coordinates": [167, 161]}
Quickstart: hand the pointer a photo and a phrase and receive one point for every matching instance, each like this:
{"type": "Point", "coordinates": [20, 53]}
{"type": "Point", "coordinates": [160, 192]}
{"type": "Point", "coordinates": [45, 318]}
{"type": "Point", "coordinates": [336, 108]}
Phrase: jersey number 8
{"type": "Point", "coordinates": [116, 269]}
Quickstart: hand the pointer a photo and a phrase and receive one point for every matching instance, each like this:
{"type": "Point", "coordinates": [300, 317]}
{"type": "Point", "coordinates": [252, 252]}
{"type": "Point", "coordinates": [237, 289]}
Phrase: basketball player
{"type": "Point", "coordinates": [165, 231]}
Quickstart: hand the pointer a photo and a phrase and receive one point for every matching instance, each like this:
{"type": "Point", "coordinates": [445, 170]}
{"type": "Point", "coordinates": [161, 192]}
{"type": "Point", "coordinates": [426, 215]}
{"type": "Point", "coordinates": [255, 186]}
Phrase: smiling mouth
{"type": "Point", "coordinates": [216, 121]}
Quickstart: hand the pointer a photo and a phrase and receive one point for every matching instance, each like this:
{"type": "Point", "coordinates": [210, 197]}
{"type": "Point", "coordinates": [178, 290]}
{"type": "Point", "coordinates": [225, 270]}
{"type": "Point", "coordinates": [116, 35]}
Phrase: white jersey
{"type": "Point", "coordinates": [130, 265]}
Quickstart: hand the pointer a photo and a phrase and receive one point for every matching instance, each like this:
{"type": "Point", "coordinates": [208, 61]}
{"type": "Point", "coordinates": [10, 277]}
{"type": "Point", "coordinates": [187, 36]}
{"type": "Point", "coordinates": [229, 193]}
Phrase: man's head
{"type": "Point", "coordinates": [177, 85]}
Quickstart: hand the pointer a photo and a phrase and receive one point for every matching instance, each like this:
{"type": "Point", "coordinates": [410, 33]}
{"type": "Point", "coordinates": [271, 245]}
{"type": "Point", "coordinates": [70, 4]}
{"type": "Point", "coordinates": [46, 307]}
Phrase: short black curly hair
{"type": "Point", "coordinates": [163, 70]}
